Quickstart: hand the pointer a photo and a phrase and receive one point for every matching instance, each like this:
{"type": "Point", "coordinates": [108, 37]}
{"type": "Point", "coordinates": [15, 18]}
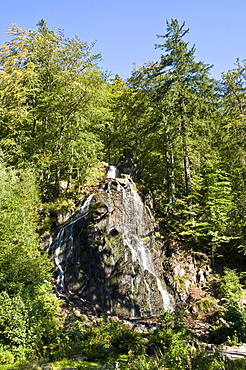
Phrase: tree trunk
{"type": "Point", "coordinates": [188, 191]}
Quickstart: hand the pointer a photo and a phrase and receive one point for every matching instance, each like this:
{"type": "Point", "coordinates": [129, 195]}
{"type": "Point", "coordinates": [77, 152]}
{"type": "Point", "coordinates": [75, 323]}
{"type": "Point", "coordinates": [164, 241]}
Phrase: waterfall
{"type": "Point", "coordinates": [136, 238]}
{"type": "Point", "coordinates": [65, 238]}
{"type": "Point", "coordinates": [111, 173]}
{"type": "Point", "coordinates": [107, 252]}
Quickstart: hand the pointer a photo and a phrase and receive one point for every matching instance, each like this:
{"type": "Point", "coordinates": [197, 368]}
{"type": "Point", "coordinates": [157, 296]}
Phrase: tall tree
{"type": "Point", "coordinates": [234, 106]}
{"type": "Point", "coordinates": [55, 85]}
{"type": "Point", "coordinates": [184, 100]}
{"type": "Point", "coordinates": [126, 127]}
{"type": "Point", "coordinates": [234, 148]}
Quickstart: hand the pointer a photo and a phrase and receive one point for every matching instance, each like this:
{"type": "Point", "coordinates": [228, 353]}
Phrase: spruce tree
{"type": "Point", "coordinates": [184, 102]}
{"type": "Point", "coordinates": [187, 94]}
{"type": "Point", "coordinates": [233, 148]}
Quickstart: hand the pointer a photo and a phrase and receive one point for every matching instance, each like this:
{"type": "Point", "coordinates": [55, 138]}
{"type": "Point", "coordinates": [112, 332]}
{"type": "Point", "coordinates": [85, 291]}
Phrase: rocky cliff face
{"type": "Point", "coordinates": [108, 255]}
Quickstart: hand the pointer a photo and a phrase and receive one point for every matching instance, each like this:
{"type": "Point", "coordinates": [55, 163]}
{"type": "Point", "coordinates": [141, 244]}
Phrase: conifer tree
{"type": "Point", "coordinates": [184, 103]}
{"type": "Point", "coordinates": [233, 148]}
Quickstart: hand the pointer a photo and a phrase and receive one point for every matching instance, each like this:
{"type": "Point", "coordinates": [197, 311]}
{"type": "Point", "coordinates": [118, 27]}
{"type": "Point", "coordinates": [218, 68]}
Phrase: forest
{"type": "Point", "coordinates": [61, 117]}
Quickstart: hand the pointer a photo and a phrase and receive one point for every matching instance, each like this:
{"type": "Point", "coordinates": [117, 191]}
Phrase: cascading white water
{"type": "Point", "coordinates": [138, 247]}
{"type": "Point", "coordinates": [111, 173]}
{"type": "Point", "coordinates": [142, 255]}
{"type": "Point", "coordinates": [65, 238]}
{"type": "Point", "coordinates": [107, 252]}
{"type": "Point", "coordinates": [136, 233]}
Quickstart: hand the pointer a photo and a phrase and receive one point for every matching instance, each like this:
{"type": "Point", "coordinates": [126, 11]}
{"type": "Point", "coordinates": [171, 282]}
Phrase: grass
{"type": "Point", "coordinates": [67, 364]}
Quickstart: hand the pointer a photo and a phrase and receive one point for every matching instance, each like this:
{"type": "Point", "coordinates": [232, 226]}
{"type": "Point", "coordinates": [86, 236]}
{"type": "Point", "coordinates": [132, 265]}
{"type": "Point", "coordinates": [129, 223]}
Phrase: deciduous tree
{"type": "Point", "coordinates": [50, 91]}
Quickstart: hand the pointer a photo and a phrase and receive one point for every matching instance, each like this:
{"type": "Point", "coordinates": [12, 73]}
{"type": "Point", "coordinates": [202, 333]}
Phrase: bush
{"type": "Point", "coordinates": [230, 287]}
{"type": "Point", "coordinates": [231, 325]}
{"type": "Point", "coordinates": [6, 356]}
{"type": "Point", "coordinates": [175, 321]}
{"type": "Point", "coordinates": [169, 341]}
{"type": "Point", "coordinates": [27, 323]}
{"type": "Point", "coordinates": [172, 347]}
{"type": "Point", "coordinates": [236, 363]}
{"type": "Point", "coordinates": [111, 337]}
{"type": "Point", "coordinates": [202, 360]}
{"type": "Point", "coordinates": [13, 325]}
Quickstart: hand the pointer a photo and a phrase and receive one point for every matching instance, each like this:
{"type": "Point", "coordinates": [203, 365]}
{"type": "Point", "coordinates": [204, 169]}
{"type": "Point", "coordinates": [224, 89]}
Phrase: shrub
{"type": "Point", "coordinates": [169, 341]}
{"type": "Point", "coordinates": [231, 325]}
{"type": "Point", "coordinates": [205, 304]}
{"type": "Point", "coordinates": [202, 360]}
{"type": "Point", "coordinates": [230, 287]}
{"type": "Point", "coordinates": [27, 323]}
{"type": "Point", "coordinates": [13, 325]}
{"type": "Point", "coordinates": [125, 340]}
{"type": "Point", "coordinates": [6, 356]}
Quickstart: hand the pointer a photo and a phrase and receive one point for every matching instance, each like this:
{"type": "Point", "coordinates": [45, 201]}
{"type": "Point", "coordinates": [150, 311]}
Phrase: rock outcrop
{"type": "Point", "coordinates": [107, 253]}
{"type": "Point", "coordinates": [108, 256]}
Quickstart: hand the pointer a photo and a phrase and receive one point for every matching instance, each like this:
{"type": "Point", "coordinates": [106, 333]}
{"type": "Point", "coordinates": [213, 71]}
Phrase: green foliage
{"type": "Point", "coordinates": [59, 118]}
{"type": "Point", "coordinates": [205, 304]}
{"type": "Point", "coordinates": [104, 339]}
{"type": "Point", "coordinates": [236, 363]}
{"type": "Point", "coordinates": [230, 328]}
{"type": "Point", "coordinates": [169, 340]}
{"type": "Point", "coordinates": [28, 324]}
{"type": "Point", "coordinates": [13, 324]}
{"type": "Point", "coordinates": [175, 104]}
{"type": "Point", "coordinates": [177, 85]}
{"type": "Point", "coordinates": [164, 349]}
{"type": "Point", "coordinates": [231, 325]}
{"type": "Point", "coordinates": [6, 355]}
{"type": "Point", "coordinates": [144, 363]}
{"type": "Point", "coordinates": [233, 146]}
{"type": "Point", "coordinates": [230, 287]}
{"type": "Point", "coordinates": [53, 99]}
{"type": "Point", "coordinates": [201, 360]}
{"type": "Point", "coordinates": [125, 340]}
{"type": "Point", "coordinates": [21, 263]}
{"type": "Point", "coordinates": [28, 308]}
{"type": "Point", "coordinates": [111, 337]}
{"type": "Point", "coordinates": [187, 132]}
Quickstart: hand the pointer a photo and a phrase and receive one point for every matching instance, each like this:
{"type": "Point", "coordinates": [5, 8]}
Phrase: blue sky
{"type": "Point", "coordinates": [126, 30]}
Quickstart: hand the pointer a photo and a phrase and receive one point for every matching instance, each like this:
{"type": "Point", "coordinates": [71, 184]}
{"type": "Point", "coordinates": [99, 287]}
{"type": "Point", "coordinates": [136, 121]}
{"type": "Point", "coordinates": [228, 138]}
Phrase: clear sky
{"type": "Point", "coordinates": [126, 30]}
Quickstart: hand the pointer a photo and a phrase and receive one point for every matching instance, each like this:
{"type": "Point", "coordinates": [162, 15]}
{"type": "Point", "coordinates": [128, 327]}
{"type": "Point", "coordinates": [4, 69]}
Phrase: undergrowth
{"type": "Point", "coordinates": [112, 344]}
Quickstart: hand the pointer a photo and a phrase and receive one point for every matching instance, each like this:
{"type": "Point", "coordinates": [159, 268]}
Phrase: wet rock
{"type": "Point", "coordinates": [46, 240]}
{"type": "Point", "coordinates": [201, 277]}
{"type": "Point", "coordinates": [46, 367]}
{"type": "Point", "coordinates": [126, 165]}
{"type": "Point", "coordinates": [108, 255]}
